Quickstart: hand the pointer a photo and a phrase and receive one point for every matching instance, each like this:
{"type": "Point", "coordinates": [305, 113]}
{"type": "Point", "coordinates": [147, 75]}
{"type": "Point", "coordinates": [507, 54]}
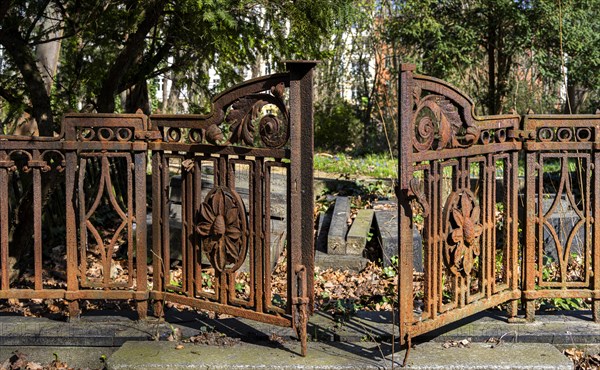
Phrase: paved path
{"type": "Point", "coordinates": [361, 341]}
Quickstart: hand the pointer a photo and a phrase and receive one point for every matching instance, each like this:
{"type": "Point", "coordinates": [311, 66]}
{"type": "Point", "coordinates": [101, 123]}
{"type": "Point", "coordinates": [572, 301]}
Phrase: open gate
{"type": "Point", "coordinates": [240, 169]}
{"type": "Point", "coordinates": [461, 189]}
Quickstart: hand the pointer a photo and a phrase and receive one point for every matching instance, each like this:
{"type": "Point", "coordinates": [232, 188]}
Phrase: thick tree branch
{"type": "Point", "coordinates": [129, 56]}
{"type": "Point", "coordinates": [21, 54]}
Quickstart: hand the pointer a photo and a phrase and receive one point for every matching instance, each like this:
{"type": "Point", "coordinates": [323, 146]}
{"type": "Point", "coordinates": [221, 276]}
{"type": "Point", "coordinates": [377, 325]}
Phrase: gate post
{"type": "Point", "coordinates": [405, 169]}
{"type": "Point", "coordinates": [301, 248]}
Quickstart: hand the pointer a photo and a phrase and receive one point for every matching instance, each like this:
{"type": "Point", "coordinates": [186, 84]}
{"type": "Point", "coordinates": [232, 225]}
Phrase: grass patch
{"type": "Point", "coordinates": [373, 165]}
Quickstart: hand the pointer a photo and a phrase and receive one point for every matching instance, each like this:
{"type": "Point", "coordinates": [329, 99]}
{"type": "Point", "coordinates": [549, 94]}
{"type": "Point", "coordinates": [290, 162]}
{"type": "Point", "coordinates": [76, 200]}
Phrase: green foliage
{"type": "Point", "coordinates": [568, 33]}
{"type": "Point", "coordinates": [341, 309]}
{"type": "Point", "coordinates": [206, 280]}
{"type": "Point", "coordinates": [392, 270]}
{"type": "Point", "coordinates": [108, 48]}
{"type": "Point", "coordinates": [337, 126]}
{"type": "Point", "coordinates": [371, 165]}
{"type": "Point", "coordinates": [240, 287]}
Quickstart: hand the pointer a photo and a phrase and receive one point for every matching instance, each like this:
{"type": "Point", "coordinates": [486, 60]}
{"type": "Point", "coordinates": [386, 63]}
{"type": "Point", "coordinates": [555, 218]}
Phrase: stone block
{"type": "Point", "coordinates": [341, 262]}
{"type": "Point", "coordinates": [358, 235]}
{"type": "Point", "coordinates": [336, 238]}
{"type": "Point", "coordinates": [386, 230]}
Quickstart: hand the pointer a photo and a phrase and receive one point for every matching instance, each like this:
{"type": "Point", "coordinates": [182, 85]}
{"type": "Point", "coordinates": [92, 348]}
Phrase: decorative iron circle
{"type": "Point", "coordinates": [463, 231]}
{"type": "Point", "coordinates": [222, 227]}
{"type": "Point", "coordinates": [105, 134]}
{"type": "Point", "coordinates": [501, 135]}
{"type": "Point", "coordinates": [425, 133]}
{"type": "Point", "coordinates": [195, 135]}
{"type": "Point", "coordinates": [54, 159]}
{"type": "Point", "coordinates": [271, 131]}
{"type": "Point", "coordinates": [124, 134]}
{"type": "Point", "coordinates": [87, 134]}
{"type": "Point", "coordinates": [545, 134]}
{"type": "Point", "coordinates": [564, 134]}
{"type": "Point", "coordinates": [174, 134]}
{"type": "Point", "coordinates": [486, 138]}
{"type": "Point", "coordinates": [584, 134]}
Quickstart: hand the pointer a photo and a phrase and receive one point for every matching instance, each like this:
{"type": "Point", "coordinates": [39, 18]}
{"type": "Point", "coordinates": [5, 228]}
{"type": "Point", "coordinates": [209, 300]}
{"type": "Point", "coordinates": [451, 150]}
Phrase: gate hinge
{"type": "Point", "coordinates": [521, 135]}
{"type": "Point", "coordinates": [148, 135]}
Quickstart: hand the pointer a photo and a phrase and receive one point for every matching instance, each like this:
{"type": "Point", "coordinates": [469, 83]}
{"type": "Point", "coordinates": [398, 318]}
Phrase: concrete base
{"type": "Point", "coordinates": [504, 356]}
{"type": "Point", "coordinates": [164, 355]}
{"type": "Point", "coordinates": [365, 355]}
{"type": "Point", "coordinates": [361, 340]}
{"type": "Point", "coordinates": [75, 357]}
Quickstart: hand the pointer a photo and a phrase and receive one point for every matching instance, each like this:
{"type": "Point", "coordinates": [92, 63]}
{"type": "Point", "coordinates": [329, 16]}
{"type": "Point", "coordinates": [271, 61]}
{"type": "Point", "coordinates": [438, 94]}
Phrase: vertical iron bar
{"type": "Point", "coordinates": [596, 239]}
{"type": "Point", "coordinates": [196, 247]}
{"type": "Point", "coordinates": [4, 221]}
{"type": "Point", "coordinates": [71, 230]}
{"type": "Point", "coordinates": [259, 246]}
{"type": "Point", "coordinates": [184, 233]}
{"type": "Point", "coordinates": [512, 222]}
{"type": "Point", "coordinates": [429, 303]}
{"type": "Point", "coordinates": [37, 225]}
{"type": "Point", "coordinates": [157, 212]}
{"type": "Point", "coordinates": [267, 234]}
{"type": "Point", "coordinates": [140, 229]}
{"type": "Point", "coordinates": [530, 229]}
{"type": "Point", "coordinates": [188, 203]}
{"type": "Point", "coordinates": [405, 172]}
{"type": "Point", "coordinates": [489, 276]}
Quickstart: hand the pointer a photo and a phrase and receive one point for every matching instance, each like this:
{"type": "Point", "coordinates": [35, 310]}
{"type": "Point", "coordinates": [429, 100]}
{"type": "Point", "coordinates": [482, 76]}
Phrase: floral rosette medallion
{"type": "Point", "coordinates": [463, 231]}
{"type": "Point", "coordinates": [222, 227]}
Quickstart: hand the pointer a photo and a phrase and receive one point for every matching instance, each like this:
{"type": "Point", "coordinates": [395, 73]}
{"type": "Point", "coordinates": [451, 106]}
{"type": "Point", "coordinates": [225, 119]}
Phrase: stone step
{"type": "Point", "coordinates": [342, 262]}
{"type": "Point", "coordinates": [284, 354]}
{"type": "Point", "coordinates": [480, 356]}
{"type": "Point", "coordinates": [357, 237]}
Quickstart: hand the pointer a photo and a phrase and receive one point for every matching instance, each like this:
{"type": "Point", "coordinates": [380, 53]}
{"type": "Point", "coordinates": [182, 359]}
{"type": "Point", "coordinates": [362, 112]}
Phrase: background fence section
{"type": "Point", "coordinates": [562, 241]}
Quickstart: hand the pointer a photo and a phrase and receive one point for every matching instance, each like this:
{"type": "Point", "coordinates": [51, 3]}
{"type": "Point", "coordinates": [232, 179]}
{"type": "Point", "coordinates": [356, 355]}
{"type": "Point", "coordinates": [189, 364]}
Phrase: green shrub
{"type": "Point", "coordinates": [337, 126]}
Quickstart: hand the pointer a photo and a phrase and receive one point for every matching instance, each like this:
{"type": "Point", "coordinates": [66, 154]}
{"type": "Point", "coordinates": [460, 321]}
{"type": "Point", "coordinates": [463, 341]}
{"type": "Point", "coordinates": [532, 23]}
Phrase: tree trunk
{"type": "Point", "coordinates": [131, 55]}
{"type": "Point", "coordinates": [47, 54]}
{"type": "Point", "coordinates": [165, 92]}
{"type": "Point", "coordinates": [137, 98]}
{"type": "Point", "coordinates": [576, 96]}
{"type": "Point", "coordinates": [18, 50]}
{"type": "Point", "coordinates": [491, 51]}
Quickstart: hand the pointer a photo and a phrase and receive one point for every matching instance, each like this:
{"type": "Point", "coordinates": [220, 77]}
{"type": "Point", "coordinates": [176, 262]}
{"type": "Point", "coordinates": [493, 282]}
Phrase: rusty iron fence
{"type": "Point", "coordinates": [113, 218]}
{"type": "Point", "coordinates": [505, 205]}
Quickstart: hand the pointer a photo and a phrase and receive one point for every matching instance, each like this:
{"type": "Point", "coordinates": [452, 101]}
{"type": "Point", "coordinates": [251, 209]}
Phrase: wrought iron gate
{"type": "Point", "coordinates": [265, 139]}
{"type": "Point", "coordinates": [96, 171]}
{"type": "Point", "coordinates": [459, 187]}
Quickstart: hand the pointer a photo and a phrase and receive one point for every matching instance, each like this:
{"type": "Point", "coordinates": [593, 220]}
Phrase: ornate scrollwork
{"type": "Point", "coordinates": [223, 229]}
{"type": "Point", "coordinates": [438, 124]}
{"type": "Point", "coordinates": [414, 187]}
{"type": "Point", "coordinates": [273, 129]}
{"type": "Point", "coordinates": [463, 231]}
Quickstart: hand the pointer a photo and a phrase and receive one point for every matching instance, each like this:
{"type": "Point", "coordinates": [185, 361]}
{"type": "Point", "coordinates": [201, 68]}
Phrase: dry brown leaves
{"type": "Point", "coordinates": [583, 360]}
{"type": "Point", "coordinates": [213, 339]}
{"type": "Point", "coordinates": [457, 343]}
{"type": "Point", "coordinates": [19, 361]}
{"type": "Point", "coordinates": [370, 289]}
